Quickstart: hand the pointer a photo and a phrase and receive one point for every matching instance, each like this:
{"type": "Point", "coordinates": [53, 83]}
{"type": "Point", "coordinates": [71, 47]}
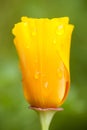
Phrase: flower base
{"type": "Point", "coordinates": [46, 115]}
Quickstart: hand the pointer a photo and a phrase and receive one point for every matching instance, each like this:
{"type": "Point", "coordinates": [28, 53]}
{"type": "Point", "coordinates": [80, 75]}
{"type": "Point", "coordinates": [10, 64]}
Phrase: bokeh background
{"type": "Point", "coordinates": [14, 112]}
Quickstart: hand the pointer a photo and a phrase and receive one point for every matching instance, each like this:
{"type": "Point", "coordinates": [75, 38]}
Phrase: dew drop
{"type": "Point", "coordinates": [54, 41]}
{"type": "Point", "coordinates": [36, 76]}
{"type": "Point", "coordinates": [59, 73]}
{"type": "Point", "coordinates": [60, 30]}
{"type": "Point", "coordinates": [60, 27]}
{"type": "Point", "coordinates": [27, 47]}
{"type": "Point", "coordinates": [25, 23]}
{"type": "Point", "coordinates": [46, 84]}
{"type": "Point", "coordinates": [34, 32]}
{"type": "Point", "coordinates": [36, 60]}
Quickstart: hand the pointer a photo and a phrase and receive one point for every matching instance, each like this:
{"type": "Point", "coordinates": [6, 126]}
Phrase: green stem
{"type": "Point", "coordinates": [45, 118]}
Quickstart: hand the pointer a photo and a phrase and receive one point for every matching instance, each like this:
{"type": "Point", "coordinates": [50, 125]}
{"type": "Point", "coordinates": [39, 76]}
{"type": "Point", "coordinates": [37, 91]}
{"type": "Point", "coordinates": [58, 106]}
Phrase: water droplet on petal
{"type": "Point", "coordinates": [25, 23]}
{"type": "Point", "coordinates": [59, 73]}
{"type": "Point", "coordinates": [34, 32]}
{"type": "Point", "coordinates": [46, 84]}
{"type": "Point", "coordinates": [36, 60]}
{"type": "Point", "coordinates": [60, 27]}
{"type": "Point", "coordinates": [54, 41]}
{"type": "Point", "coordinates": [36, 76]}
{"type": "Point", "coordinates": [60, 30]}
{"type": "Point", "coordinates": [27, 47]}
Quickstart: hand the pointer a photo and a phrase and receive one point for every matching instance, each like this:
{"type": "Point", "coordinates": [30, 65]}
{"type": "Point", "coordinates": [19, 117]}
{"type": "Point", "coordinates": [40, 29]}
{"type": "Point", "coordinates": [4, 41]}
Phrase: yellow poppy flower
{"type": "Point", "coordinates": [43, 46]}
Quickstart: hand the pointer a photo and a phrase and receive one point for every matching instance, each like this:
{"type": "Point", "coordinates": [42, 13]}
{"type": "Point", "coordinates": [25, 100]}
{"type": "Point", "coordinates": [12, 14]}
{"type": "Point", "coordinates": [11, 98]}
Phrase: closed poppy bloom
{"type": "Point", "coordinates": [43, 46]}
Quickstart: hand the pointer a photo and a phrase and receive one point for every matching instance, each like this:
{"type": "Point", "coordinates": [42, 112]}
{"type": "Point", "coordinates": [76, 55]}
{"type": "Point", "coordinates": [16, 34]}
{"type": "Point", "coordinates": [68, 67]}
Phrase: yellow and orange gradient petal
{"type": "Point", "coordinates": [43, 46]}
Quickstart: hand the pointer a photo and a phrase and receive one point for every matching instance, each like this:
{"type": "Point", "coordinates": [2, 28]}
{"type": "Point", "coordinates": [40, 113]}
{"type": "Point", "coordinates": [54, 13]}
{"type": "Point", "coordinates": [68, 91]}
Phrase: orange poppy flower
{"type": "Point", "coordinates": [43, 46]}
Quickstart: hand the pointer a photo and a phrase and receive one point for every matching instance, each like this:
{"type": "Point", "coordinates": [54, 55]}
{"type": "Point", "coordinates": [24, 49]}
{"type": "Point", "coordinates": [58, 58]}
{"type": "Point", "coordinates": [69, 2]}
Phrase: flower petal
{"type": "Point", "coordinates": [43, 46]}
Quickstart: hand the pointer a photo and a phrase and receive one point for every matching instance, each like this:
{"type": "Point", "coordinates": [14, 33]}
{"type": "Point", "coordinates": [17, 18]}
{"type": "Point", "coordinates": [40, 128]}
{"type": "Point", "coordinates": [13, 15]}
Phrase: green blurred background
{"type": "Point", "coordinates": [14, 112]}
